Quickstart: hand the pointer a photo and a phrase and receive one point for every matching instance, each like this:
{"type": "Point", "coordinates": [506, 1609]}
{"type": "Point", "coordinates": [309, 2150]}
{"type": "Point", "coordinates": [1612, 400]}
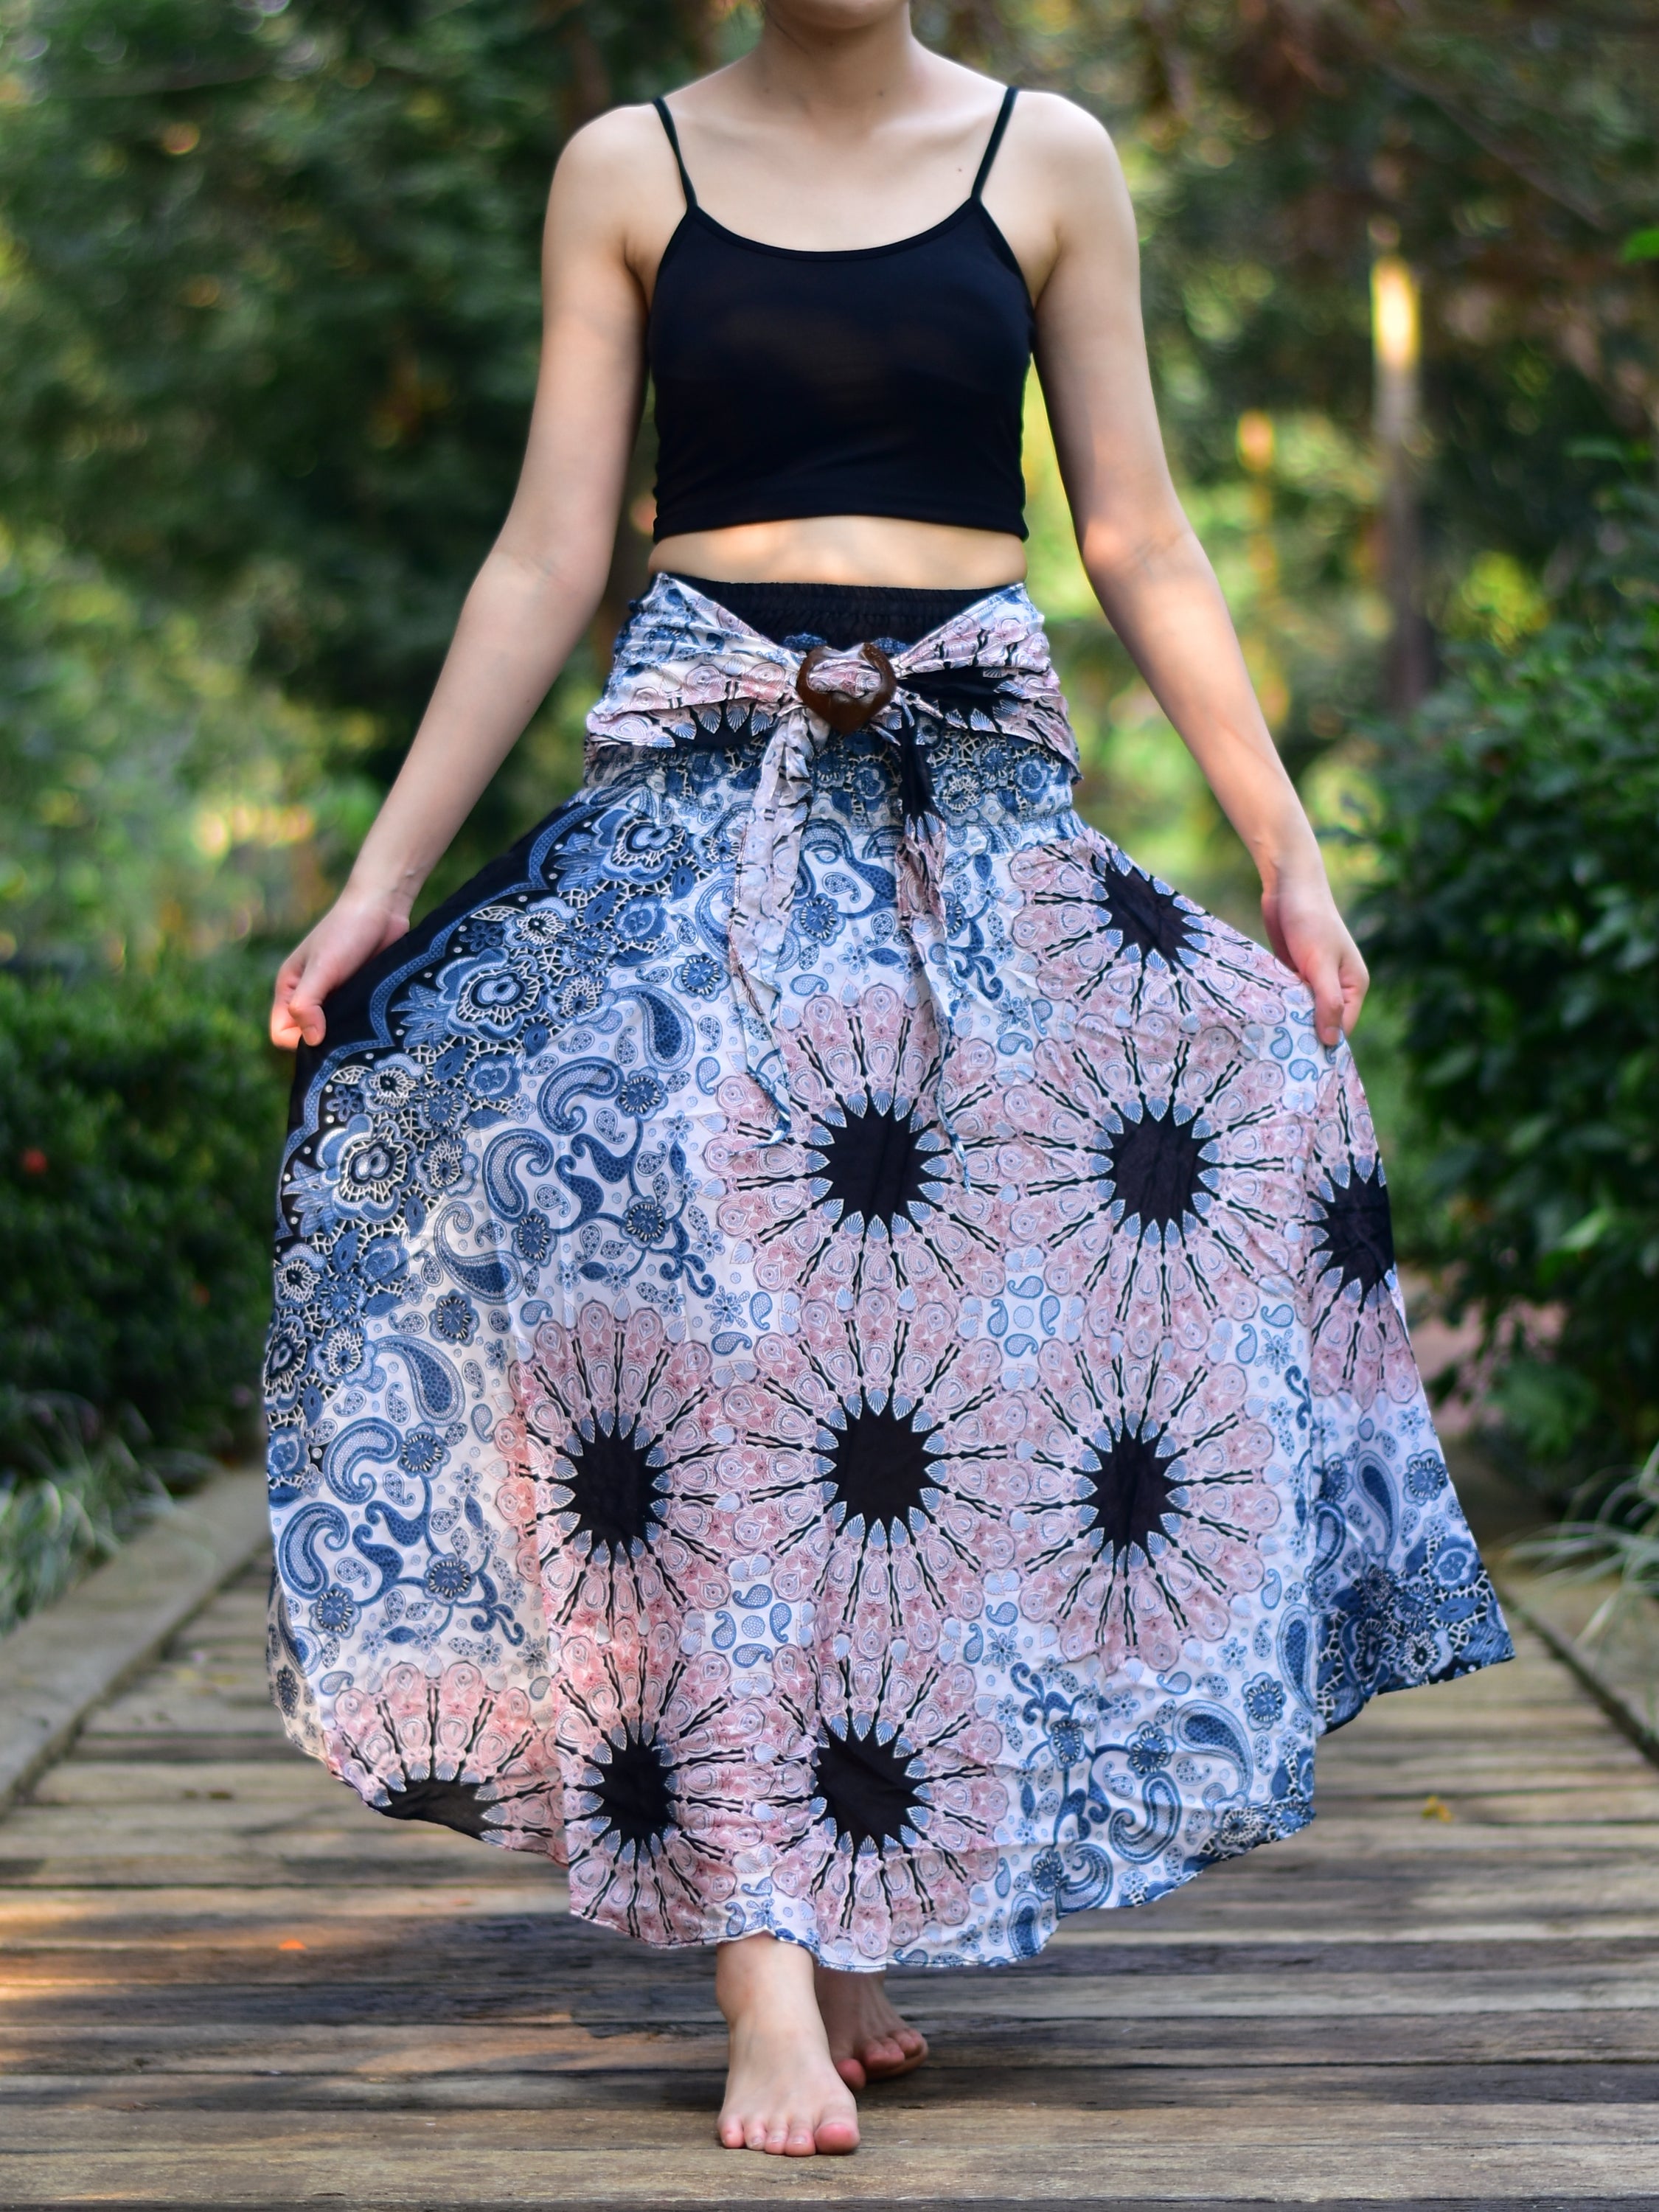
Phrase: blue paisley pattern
{"type": "Point", "coordinates": [837, 1366]}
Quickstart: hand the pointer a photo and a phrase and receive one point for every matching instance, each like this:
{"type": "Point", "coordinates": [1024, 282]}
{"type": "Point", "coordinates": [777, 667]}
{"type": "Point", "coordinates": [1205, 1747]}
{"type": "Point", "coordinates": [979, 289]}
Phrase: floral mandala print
{"type": "Point", "coordinates": [1360, 1344]}
{"type": "Point", "coordinates": [451, 1749]}
{"type": "Point", "coordinates": [1156, 1168]}
{"type": "Point", "coordinates": [1105, 934]}
{"type": "Point", "coordinates": [888, 1795]}
{"type": "Point", "coordinates": [657, 1784]}
{"type": "Point", "coordinates": [867, 1204]}
{"type": "Point", "coordinates": [884, 1500]}
{"type": "Point", "coordinates": [1159, 1480]}
{"type": "Point", "coordinates": [613, 1447]}
{"type": "Point", "coordinates": [836, 1366]}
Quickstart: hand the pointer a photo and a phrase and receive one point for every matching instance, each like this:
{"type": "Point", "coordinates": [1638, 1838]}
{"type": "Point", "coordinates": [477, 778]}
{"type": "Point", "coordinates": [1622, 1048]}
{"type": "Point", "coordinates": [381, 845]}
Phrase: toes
{"type": "Point", "coordinates": [838, 2135]}
{"type": "Point", "coordinates": [899, 2052]}
{"type": "Point", "coordinates": [732, 2131]}
{"type": "Point", "coordinates": [801, 2141]}
{"type": "Point", "coordinates": [851, 2072]}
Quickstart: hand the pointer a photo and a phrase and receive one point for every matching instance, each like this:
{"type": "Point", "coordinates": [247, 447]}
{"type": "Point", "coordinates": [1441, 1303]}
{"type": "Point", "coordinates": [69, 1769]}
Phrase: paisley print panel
{"type": "Point", "coordinates": [837, 1366]}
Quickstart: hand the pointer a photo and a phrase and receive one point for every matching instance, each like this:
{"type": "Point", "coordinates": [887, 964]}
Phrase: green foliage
{"type": "Point", "coordinates": [139, 1126]}
{"type": "Point", "coordinates": [1516, 914]}
{"type": "Point", "coordinates": [1619, 1541]}
{"type": "Point", "coordinates": [154, 797]}
{"type": "Point", "coordinates": [72, 1486]}
{"type": "Point", "coordinates": [271, 309]}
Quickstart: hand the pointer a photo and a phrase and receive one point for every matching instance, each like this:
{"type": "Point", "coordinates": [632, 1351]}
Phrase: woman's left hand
{"type": "Point", "coordinates": [1309, 934]}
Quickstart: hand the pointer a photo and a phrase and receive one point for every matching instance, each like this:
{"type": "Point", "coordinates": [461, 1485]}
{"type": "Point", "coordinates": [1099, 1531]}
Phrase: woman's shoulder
{"type": "Point", "coordinates": [1058, 129]}
{"type": "Point", "coordinates": [613, 147]}
{"type": "Point", "coordinates": [614, 187]}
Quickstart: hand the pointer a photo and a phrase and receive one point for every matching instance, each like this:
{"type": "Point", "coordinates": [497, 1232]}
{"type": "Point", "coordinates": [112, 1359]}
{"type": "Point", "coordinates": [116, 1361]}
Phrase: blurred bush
{"type": "Point", "coordinates": [72, 1486]}
{"type": "Point", "coordinates": [139, 1128]}
{"type": "Point", "coordinates": [155, 796]}
{"type": "Point", "coordinates": [1515, 917]}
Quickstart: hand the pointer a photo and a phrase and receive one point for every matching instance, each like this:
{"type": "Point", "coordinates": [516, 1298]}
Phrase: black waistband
{"type": "Point", "coordinates": [840, 615]}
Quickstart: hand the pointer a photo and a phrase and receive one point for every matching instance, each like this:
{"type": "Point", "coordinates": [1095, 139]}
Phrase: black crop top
{"type": "Point", "coordinates": [877, 379]}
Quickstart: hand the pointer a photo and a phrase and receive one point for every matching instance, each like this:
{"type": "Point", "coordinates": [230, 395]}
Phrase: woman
{"type": "Point", "coordinates": [837, 1365]}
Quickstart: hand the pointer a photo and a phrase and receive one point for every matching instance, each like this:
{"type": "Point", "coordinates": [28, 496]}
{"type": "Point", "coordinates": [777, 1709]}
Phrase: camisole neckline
{"type": "Point", "coordinates": [696, 211]}
{"type": "Point", "coordinates": [700, 214]}
{"type": "Point", "coordinates": [959, 214]}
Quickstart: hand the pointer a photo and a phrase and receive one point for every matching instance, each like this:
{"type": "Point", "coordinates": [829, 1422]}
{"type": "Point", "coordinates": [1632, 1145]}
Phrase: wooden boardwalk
{"type": "Point", "coordinates": [227, 1984]}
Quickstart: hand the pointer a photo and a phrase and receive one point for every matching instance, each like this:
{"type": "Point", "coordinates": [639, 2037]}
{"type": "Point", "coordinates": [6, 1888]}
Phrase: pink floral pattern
{"type": "Point", "coordinates": [1157, 1169]}
{"type": "Point", "coordinates": [888, 1800]}
{"type": "Point", "coordinates": [610, 1460]}
{"type": "Point", "coordinates": [658, 1788]}
{"type": "Point", "coordinates": [1360, 1347]}
{"type": "Point", "coordinates": [864, 1204]}
{"type": "Point", "coordinates": [885, 1497]}
{"type": "Point", "coordinates": [416, 1735]}
{"type": "Point", "coordinates": [1152, 1494]}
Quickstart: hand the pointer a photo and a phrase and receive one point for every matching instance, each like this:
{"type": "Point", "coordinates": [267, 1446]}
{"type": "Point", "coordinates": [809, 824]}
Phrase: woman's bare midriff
{"type": "Point", "coordinates": [871, 549]}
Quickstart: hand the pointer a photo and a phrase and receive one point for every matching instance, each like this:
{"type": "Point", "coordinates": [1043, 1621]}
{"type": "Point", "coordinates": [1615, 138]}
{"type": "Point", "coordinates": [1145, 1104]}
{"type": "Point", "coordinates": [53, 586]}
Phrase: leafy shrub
{"type": "Point", "coordinates": [154, 795]}
{"type": "Point", "coordinates": [1618, 1544]}
{"type": "Point", "coordinates": [1516, 921]}
{"type": "Point", "coordinates": [139, 1125]}
{"type": "Point", "coordinates": [72, 1486]}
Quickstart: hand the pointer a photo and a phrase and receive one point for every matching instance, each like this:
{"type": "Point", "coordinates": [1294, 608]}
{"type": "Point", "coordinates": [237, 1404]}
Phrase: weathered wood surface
{"type": "Point", "coordinates": [226, 1984]}
{"type": "Point", "coordinates": [72, 1655]}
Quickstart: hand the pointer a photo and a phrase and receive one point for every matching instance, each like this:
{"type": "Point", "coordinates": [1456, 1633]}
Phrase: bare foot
{"type": "Point", "coordinates": [869, 2041]}
{"type": "Point", "coordinates": [782, 2092]}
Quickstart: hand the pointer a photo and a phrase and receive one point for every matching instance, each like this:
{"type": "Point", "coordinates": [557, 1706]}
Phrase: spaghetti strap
{"type": "Point", "coordinates": [997, 130]}
{"type": "Point", "coordinates": [661, 107]}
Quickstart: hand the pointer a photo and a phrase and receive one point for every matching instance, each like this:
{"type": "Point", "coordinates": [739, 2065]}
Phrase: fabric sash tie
{"type": "Point", "coordinates": [688, 672]}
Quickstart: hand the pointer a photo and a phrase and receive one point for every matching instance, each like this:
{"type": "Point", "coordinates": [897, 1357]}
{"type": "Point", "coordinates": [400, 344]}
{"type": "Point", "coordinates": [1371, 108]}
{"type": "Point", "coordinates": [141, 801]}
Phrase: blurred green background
{"type": "Point", "coordinates": [267, 330]}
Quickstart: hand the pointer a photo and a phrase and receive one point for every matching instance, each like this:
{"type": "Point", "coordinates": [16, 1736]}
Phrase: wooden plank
{"type": "Point", "coordinates": [1380, 2006]}
{"type": "Point", "coordinates": [1277, 2153]}
{"type": "Point", "coordinates": [1620, 1666]}
{"type": "Point", "coordinates": [70, 1655]}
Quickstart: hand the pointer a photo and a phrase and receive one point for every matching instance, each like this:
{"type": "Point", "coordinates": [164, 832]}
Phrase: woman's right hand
{"type": "Point", "coordinates": [356, 928]}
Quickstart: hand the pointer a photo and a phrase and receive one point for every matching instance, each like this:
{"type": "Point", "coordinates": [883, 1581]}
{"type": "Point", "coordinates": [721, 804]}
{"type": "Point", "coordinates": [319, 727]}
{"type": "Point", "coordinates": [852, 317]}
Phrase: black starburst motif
{"type": "Point", "coordinates": [1152, 920]}
{"type": "Point", "coordinates": [875, 1162]}
{"type": "Point", "coordinates": [445, 1804]}
{"type": "Point", "coordinates": [614, 1481]}
{"type": "Point", "coordinates": [880, 1466]}
{"type": "Point", "coordinates": [1156, 1168]}
{"type": "Point", "coordinates": [635, 1794]}
{"type": "Point", "coordinates": [1354, 1231]}
{"type": "Point", "coordinates": [867, 1787]}
{"type": "Point", "coordinates": [1134, 1489]}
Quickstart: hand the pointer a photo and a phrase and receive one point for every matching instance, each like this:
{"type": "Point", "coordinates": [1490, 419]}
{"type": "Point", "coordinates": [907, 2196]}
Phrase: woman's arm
{"type": "Point", "coordinates": [540, 585]}
{"type": "Point", "coordinates": [1148, 568]}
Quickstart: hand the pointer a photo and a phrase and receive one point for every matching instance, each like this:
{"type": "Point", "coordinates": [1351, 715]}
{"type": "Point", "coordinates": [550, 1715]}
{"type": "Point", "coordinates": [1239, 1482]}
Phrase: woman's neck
{"type": "Point", "coordinates": [843, 74]}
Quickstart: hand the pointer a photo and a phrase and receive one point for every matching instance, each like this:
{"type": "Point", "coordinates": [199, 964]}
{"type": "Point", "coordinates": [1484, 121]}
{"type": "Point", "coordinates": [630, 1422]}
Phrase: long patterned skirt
{"type": "Point", "coordinates": [837, 1364]}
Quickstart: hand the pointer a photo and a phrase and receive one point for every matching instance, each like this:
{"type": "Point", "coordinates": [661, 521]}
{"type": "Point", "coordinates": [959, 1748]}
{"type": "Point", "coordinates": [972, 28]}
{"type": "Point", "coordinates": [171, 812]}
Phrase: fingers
{"type": "Point", "coordinates": [1339, 988]}
{"type": "Point", "coordinates": [307, 1010]}
{"type": "Point", "coordinates": [1316, 944]}
{"type": "Point", "coordinates": [296, 1011]}
{"type": "Point", "coordinates": [1275, 930]}
{"type": "Point", "coordinates": [1326, 984]}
